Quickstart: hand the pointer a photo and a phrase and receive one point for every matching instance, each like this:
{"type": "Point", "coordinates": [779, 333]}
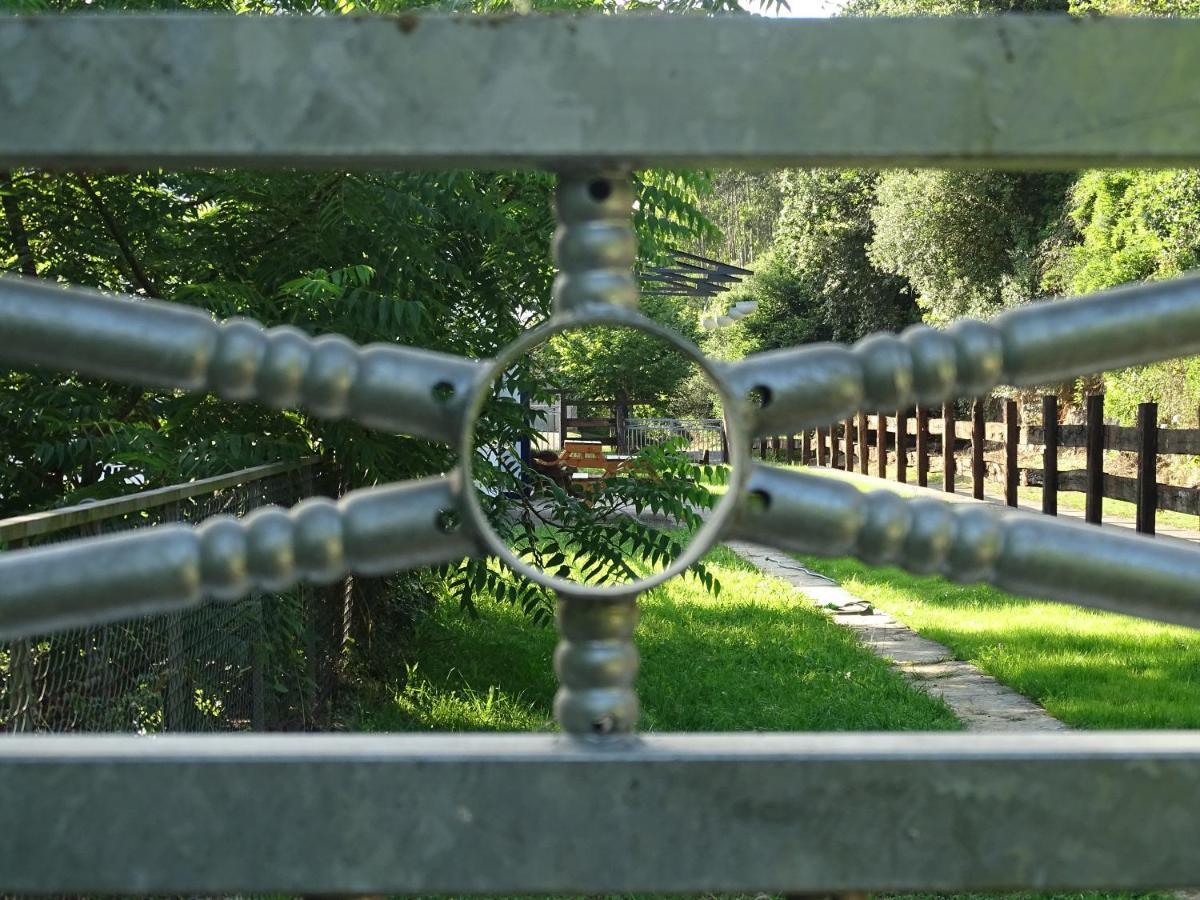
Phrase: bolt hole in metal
{"type": "Point", "coordinates": [587, 515]}
{"type": "Point", "coordinates": [444, 392]}
{"type": "Point", "coordinates": [600, 189]}
{"type": "Point", "coordinates": [448, 521]}
{"type": "Point", "coordinates": [758, 501]}
{"type": "Point", "coordinates": [759, 396]}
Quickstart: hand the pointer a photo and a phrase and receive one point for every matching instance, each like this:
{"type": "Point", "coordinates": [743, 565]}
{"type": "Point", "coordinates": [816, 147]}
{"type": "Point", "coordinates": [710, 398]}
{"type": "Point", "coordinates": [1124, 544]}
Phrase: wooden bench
{"type": "Point", "coordinates": [589, 455]}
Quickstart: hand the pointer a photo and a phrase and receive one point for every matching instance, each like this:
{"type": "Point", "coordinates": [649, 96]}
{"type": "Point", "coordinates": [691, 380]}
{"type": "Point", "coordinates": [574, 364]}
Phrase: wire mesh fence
{"type": "Point", "coordinates": [261, 663]}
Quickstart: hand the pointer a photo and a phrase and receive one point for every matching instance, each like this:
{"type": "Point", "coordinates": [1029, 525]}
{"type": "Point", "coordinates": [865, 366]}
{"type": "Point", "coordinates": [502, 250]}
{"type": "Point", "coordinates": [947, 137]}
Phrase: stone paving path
{"type": "Point", "coordinates": [979, 701]}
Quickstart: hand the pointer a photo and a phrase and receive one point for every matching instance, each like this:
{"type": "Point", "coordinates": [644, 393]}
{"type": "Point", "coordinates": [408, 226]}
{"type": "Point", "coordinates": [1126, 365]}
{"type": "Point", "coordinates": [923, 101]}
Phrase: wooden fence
{"type": "Point", "coordinates": [848, 445]}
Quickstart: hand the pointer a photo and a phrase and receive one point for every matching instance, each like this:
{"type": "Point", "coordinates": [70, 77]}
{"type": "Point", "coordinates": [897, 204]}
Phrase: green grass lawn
{"type": "Point", "coordinates": [757, 657]}
{"type": "Point", "coordinates": [1089, 669]}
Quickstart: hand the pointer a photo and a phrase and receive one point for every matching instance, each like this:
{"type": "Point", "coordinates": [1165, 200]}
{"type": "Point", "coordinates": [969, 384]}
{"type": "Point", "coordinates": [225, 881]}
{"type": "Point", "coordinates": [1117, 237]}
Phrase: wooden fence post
{"type": "Point", "coordinates": [775, 448]}
{"type": "Point", "coordinates": [901, 446]}
{"type": "Point", "coordinates": [1050, 455]}
{"type": "Point", "coordinates": [821, 446]}
{"type": "Point", "coordinates": [864, 453]}
{"type": "Point", "coordinates": [848, 442]}
{"type": "Point", "coordinates": [1147, 466]}
{"type": "Point", "coordinates": [805, 448]}
{"type": "Point", "coordinates": [922, 446]}
{"type": "Point", "coordinates": [948, 440]}
{"type": "Point", "coordinates": [978, 436]}
{"type": "Point", "coordinates": [762, 447]}
{"type": "Point", "coordinates": [790, 449]}
{"type": "Point", "coordinates": [1012, 436]}
{"type": "Point", "coordinates": [1094, 505]}
{"type": "Point", "coordinates": [881, 445]}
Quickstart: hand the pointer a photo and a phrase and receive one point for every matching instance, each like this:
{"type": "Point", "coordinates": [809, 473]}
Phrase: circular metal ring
{"type": "Point", "coordinates": [701, 541]}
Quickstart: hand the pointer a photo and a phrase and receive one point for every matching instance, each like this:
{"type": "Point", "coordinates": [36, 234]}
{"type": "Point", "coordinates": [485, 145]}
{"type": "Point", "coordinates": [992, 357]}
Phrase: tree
{"type": "Point", "coordinates": [454, 261]}
{"type": "Point", "coordinates": [1136, 226]}
{"type": "Point", "coordinates": [622, 364]}
{"type": "Point", "coordinates": [817, 282]}
{"type": "Point", "coordinates": [745, 207]}
{"type": "Point", "coordinates": [969, 242]}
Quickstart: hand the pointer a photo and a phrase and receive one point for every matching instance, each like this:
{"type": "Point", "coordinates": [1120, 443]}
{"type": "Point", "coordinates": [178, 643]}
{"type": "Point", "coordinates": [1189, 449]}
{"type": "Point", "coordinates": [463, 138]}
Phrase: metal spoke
{"type": "Point", "coordinates": [815, 385]}
{"type": "Point", "coordinates": [1025, 553]}
{"type": "Point", "coordinates": [384, 386]}
{"type": "Point", "coordinates": [373, 531]}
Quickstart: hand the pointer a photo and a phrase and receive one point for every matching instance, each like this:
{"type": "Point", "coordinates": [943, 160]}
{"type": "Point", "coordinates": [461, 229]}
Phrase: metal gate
{"type": "Point", "coordinates": [598, 808]}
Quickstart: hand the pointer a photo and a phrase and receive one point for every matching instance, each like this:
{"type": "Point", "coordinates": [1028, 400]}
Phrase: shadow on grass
{"type": "Point", "coordinates": [1090, 669]}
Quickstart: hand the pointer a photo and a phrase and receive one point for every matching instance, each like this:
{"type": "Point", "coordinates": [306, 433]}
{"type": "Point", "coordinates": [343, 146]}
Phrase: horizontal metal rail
{"type": "Point", "coordinates": [1048, 92]}
{"type": "Point", "coordinates": [425, 814]}
{"type": "Point", "coordinates": [30, 525]}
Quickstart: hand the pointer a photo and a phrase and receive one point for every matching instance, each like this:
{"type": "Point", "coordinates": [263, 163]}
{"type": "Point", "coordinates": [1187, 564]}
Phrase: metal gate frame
{"type": "Point", "coordinates": [597, 809]}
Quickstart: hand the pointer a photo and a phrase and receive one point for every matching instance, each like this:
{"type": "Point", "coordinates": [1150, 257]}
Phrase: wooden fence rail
{"type": "Point", "coordinates": [924, 432]}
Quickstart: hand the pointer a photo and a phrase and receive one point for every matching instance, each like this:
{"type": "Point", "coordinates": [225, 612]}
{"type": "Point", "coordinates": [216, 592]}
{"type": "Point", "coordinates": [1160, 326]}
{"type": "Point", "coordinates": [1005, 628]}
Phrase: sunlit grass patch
{"type": "Point", "coordinates": [1090, 669]}
{"type": "Point", "coordinates": [755, 657]}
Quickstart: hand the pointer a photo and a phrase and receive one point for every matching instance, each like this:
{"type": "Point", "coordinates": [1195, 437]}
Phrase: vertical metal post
{"type": "Point", "coordinates": [948, 440]}
{"type": "Point", "coordinates": [1094, 503]}
{"type": "Point", "coordinates": [978, 436]}
{"type": "Point", "coordinates": [864, 454]}
{"type": "Point", "coordinates": [881, 445]}
{"type": "Point", "coordinates": [1012, 436]}
{"type": "Point", "coordinates": [22, 681]}
{"type": "Point", "coordinates": [178, 702]}
{"type": "Point", "coordinates": [1050, 455]}
{"type": "Point", "coordinates": [596, 660]}
{"type": "Point", "coordinates": [922, 446]}
{"type": "Point", "coordinates": [901, 446]}
{"type": "Point", "coordinates": [1147, 466]}
{"type": "Point", "coordinates": [562, 421]}
{"type": "Point", "coordinates": [258, 692]}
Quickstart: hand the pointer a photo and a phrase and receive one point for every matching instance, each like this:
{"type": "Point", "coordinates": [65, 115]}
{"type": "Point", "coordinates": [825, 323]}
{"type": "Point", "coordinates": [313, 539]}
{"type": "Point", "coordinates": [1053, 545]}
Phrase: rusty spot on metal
{"type": "Point", "coordinates": [408, 23]}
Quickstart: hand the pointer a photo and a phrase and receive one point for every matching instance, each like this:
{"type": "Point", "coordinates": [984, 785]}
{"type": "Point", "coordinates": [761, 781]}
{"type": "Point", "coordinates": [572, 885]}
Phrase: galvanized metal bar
{"type": "Point", "coordinates": [597, 662]}
{"type": "Point", "coordinates": [432, 814]}
{"type": "Point", "coordinates": [1028, 554]}
{"type": "Point", "coordinates": [355, 92]}
{"type": "Point", "coordinates": [384, 386]}
{"type": "Point", "coordinates": [18, 528]}
{"type": "Point", "coordinates": [1040, 343]}
{"type": "Point", "coordinates": [171, 567]}
{"type": "Point", "coordinates": [594, 243]}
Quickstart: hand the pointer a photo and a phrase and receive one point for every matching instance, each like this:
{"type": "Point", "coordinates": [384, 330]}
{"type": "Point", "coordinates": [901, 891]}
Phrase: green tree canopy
{"type": "Point", "coordinates": [818, 283]}
{"type": "Point", "coordinates": [969, 242]}
{"type": "Point", "coordinates": [622, 364]}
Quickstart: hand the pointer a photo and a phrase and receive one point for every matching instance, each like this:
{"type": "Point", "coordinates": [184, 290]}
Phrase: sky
{"type": "Point", "coordinates": [807, 9]}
